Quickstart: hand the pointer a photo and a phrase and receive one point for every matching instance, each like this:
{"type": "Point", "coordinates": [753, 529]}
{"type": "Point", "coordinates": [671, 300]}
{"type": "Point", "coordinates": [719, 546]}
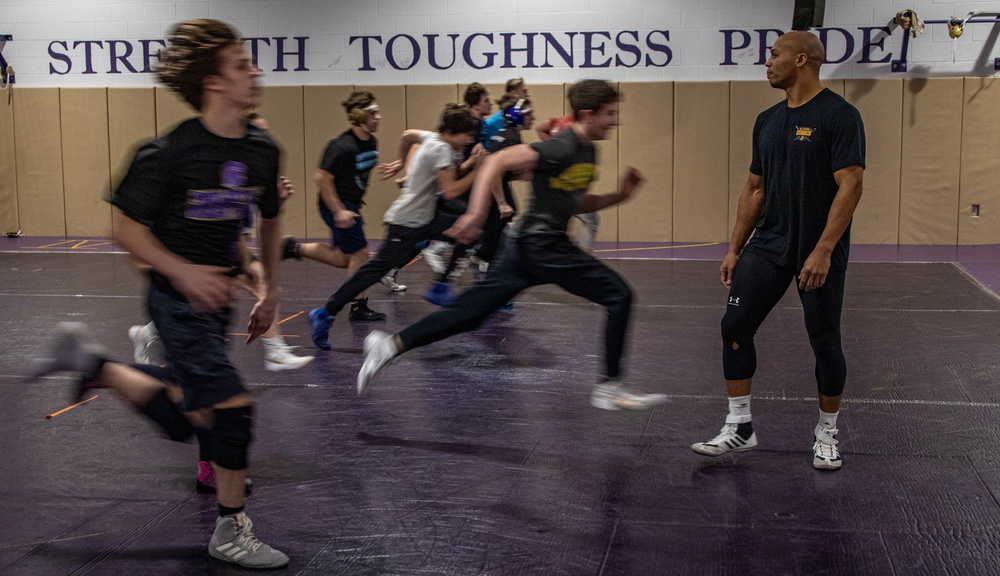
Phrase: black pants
{"type": "Point", "coordinates": [492, 230]}
{"type": "Point", "coordinates": [396, 252]}
{"type": "Point", "coordinates": [520, 264]}
{"type": "Point", "coordinates": [758, 285]}
{"type": "Point", "coordinates": [485, 248]}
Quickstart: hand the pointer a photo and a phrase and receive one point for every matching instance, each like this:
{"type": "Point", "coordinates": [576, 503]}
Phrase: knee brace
{"type": "Point", "coordinates": [206, 448]}
{"type": "Point", "coordinates": [232, 433]}
{"type": "Point", "coordinates": [739, 357]}
{"type": "Point", "coordinates": [162, 410]}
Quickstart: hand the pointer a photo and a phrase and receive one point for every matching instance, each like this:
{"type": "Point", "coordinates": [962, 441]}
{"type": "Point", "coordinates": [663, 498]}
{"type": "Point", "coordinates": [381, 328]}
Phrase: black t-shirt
{"type": "Point", "coordinates": [350, 159]}
{"type": "Point", "coordinates": [566, 167]}
{"type": "Point", "coordinates": [506, 137]}
{"type": "Point", "coordinates": [797, 151]}
{"type": "Point", "coordinates": [195, 190]}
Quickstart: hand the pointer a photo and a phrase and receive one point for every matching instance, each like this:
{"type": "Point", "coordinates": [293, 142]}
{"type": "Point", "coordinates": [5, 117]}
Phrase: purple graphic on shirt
{"type": "Point", "coordinates": [233, 174]}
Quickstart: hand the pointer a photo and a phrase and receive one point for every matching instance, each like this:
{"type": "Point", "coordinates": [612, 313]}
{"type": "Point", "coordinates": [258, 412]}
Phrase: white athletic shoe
{"type": "Point", "coordinates": [728, 440]}
{"type": "Point", "coordinates": [379, 349]}
{"type": "Point", "coordinates": [434, 256]}
{"type": "Point", "coordinates": [612, 396]}
{"type": "Point", "coordinates": [826, 456]}
{"type": "Point", "coordinates": [278, 355]}
{"type": "Point", "coordinates": [389, 281]}
{"type": "Point", "coordinates": [234, 541]}
{"type": "Point", "coordinates": [142, 338]}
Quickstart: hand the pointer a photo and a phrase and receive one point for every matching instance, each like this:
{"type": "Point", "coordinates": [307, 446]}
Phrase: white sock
{"type": "Point", "coordinates": [828, 420]}
{"type": "Point", "coordinates": [739, 410]}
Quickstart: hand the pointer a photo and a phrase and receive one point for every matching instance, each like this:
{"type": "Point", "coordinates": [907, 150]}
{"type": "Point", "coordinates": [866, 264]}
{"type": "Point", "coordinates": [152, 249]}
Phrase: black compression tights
{"type": "Point", "coordinates": [758, 285]}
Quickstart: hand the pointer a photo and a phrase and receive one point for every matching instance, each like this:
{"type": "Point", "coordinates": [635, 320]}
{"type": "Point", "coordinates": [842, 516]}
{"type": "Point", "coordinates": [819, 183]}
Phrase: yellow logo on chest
{"type": "Point", "coordinates": [802, 133]}
{"type": "Point", "coordinates": [576, 177]}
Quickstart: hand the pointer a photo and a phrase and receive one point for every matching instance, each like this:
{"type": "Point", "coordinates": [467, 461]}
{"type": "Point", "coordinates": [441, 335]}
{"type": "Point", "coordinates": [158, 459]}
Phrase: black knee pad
{"type": "Point", "coordinates": [162, 410]}
{"type": "Point", "coordinates": [232, 432]}
{"type": "Point", "coordinates": [206, 444]}
{"type": "Point", "coordinates": [739, 357]}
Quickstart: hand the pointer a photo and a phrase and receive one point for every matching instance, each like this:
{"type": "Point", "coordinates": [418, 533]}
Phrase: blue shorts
{"type": "Point", "coordinates": [195, 344]}
{"type": "Point", "coordinates": [349, 240]}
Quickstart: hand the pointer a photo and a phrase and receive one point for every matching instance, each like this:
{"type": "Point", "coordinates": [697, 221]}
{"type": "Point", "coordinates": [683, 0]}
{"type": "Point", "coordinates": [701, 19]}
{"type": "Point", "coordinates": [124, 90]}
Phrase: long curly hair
{"type": "Point", "coordinates": [193, 53]}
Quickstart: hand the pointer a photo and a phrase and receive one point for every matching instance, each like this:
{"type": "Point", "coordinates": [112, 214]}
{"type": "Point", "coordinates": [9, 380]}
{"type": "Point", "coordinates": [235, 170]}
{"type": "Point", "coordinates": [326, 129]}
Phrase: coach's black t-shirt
{"type": "Point", "coordinates": [796, 151]}
{"type": "Point", "coordinates": [566, 167]}
{"type": "Point", "coordinates": [350, 160]}
{"type": "Point", "coordinates": [506, 137]}
{"type": "Point", "coordinates": [195, 190]}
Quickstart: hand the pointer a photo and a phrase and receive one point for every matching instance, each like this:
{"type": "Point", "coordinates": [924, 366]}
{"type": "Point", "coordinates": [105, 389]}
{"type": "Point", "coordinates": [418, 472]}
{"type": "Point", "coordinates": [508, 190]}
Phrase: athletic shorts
{"type": "Point", "coordinates": [349, 240]}
{"type": "Point", "coordinates": [195, 344]}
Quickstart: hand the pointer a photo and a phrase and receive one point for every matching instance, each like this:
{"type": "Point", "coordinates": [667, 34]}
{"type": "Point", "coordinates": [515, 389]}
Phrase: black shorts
{"type": "Point", "coordinates": [349, 240]}
{"type": "Point", "coordinates": [195, 344]}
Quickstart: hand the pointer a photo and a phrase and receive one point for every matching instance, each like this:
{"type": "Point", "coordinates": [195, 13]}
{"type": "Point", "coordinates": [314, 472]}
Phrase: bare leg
{"type": "Point", "coordinates": [737, 388]}
{"type": "Point", "coordinates": [324, 253]}
{"type": "Point", "coordinates": [830, 404]}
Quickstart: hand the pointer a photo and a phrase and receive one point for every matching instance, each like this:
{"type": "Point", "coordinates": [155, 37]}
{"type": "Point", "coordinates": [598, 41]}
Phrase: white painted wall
{"type": "Point", "coordinates": [696, 41]}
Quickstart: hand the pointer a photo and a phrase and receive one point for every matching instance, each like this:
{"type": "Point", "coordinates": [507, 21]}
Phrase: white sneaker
{"type": "Point", "coordinates": [379, 349]}
{"type": "Point", "coordinates": [234, 541]}
{"type": "Point", "coordinates": [278, 355]}
{"type": "Point", "coordinates": [612, 396]}
{"type": "Point", "coordinates": [826, 456]}
{"type": "Point", "coordinates": [142, 338]}
{"type": "Point", "coordinates": [389, 281]}
{"type": "Point", "coordinates": [434, 256]}
{"type": "Point", "coordinates": [728, 440]}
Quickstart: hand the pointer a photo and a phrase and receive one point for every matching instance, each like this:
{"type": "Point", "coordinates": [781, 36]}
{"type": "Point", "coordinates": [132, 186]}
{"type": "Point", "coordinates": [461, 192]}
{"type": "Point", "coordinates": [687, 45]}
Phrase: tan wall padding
{"type": "Point", "coordinates": [282, 107]}
{"type": "Point", "coordinates": [980, 166]}
{"type": "Point", "coordinates": [171, 110]}
{"type": "Point", "coordinates": [701, 162]}
{"type": "Point", "coordinates": [424, 104]}
{"type": "Point", "coordinates": [41, 210]}
{"type": "Point", "coordinates": [382, 193]}
{"type": "Point", "coordinates": [495, 91]}
{"type": "Point", "coordinates": [8, 165]}
{"type": "Point", "coordinates": [880, 102]}
{"type": "Point", "coordinates": [326, 120]}
{"type": "Point", "coordinates": [646, 140]}
{"type": "Point", "coordinates": [931, 155]}
{"type": "Point", "coordinates": [131, 123]}
{"type": "Point", "coordinates": [746, 101]}
{"type": "Point", "coordinates": [608, 175]}
{"type": "Point", "coordinates": [548, 101]}
{"type": "Point", "coordinates": [86, 161]}
{"type": "Point", "coordinates": [835, 85]}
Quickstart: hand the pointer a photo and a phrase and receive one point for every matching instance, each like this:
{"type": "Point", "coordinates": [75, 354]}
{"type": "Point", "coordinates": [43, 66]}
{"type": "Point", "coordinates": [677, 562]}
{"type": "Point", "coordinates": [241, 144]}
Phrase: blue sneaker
{"type": "Point", "coordinates": [320, 323]}
{"type": "Point", "coordinates": [440, 294]}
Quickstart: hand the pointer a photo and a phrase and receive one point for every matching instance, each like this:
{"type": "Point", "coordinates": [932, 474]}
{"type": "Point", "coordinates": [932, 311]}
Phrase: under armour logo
{"type": "Point", "coordinates": [734, 300]}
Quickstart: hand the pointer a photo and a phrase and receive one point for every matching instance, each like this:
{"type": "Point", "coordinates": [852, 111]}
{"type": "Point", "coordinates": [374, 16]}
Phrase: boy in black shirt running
{"type": "Point", "coordinates": [180, 210]}
{"type": "Point", "coordinates": [539, 251]}
{"type": "Point", "coordinates": [342, 179]}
